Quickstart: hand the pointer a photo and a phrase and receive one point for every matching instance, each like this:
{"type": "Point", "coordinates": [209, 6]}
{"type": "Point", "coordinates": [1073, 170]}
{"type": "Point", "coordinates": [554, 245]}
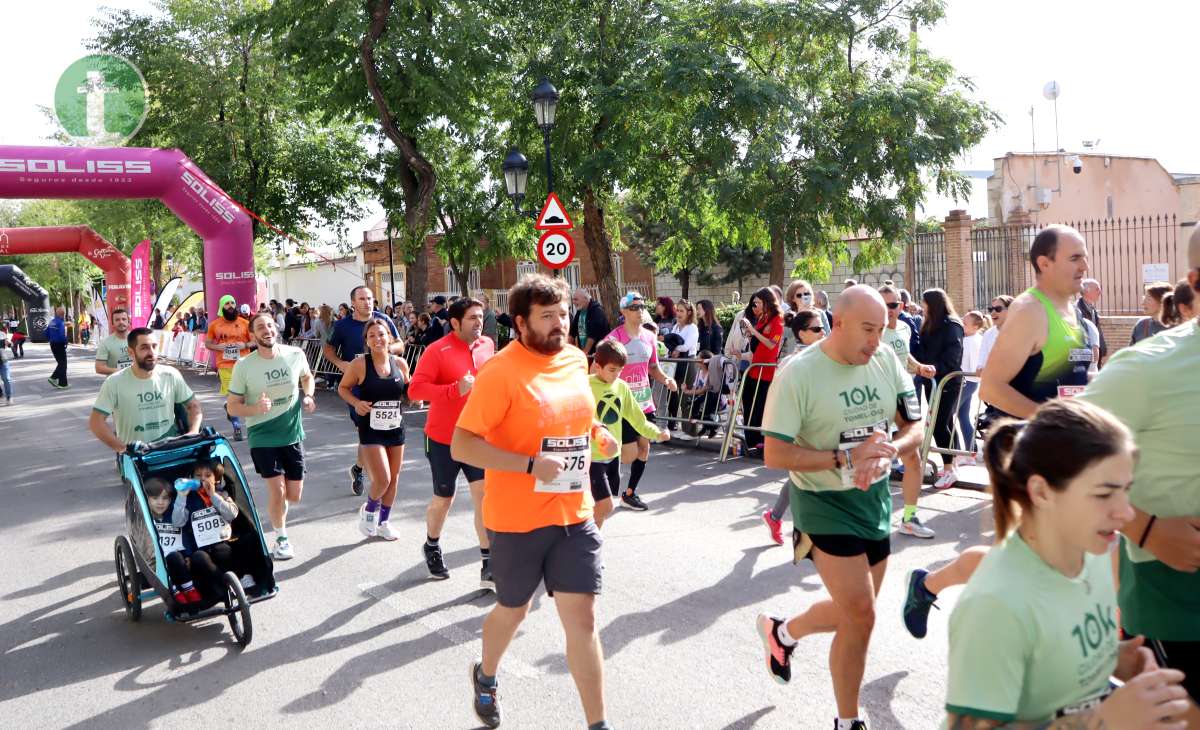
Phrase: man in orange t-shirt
{"type": "Point", "coordinates": [528, 423]}
{"type": "Point", "coordinates": [229, 337]}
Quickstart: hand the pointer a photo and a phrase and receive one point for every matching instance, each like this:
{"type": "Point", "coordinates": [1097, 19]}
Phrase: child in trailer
{"type": "Point", "coordinates": [159, 497]}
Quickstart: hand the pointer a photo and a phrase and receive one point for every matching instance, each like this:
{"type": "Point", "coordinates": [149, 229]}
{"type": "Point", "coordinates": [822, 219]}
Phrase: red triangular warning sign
{"type": "Point", "coordinates": [554, 215]}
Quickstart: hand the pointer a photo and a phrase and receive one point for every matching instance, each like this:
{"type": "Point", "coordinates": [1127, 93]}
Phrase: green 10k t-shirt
{"type": "Point", "coordinates": [1029, 644]}
{"type": "Point", "coordinates": [819, 403]}
{"type": "Point", "coordinates": [278, 377]}
{"type": "Point", "coordinates": [114, 351]}
{"type": "Point", "coordinates": [143, 409]}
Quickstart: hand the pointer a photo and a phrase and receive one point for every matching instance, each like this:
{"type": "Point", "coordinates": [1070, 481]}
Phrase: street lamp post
{"type": "Point", "coordinates": [516, 166]}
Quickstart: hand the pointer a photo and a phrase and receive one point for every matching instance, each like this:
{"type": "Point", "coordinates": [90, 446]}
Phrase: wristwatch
{"type": "Point", "coordinates": [529, 468]}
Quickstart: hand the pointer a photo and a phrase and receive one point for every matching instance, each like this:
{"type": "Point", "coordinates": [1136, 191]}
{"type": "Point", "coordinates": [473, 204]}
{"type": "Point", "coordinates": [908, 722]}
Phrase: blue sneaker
{"type": "Point", "coordinates": [486, 707]}
{"type": "Point", "coordinates": [917, 603]}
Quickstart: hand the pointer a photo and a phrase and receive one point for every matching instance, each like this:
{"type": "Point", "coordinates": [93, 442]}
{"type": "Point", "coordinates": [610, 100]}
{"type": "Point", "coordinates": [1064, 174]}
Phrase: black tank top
{"type": "Point", "coordinates": [378, 390]}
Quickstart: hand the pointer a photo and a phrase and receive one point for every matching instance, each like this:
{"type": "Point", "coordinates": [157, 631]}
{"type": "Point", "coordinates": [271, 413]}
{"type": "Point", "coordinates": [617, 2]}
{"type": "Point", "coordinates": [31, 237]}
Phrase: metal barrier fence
{"type": "Point", "coordinates": [694, 407]}
{"type": "Point", "coordinates": [935, 405]}
{"type": "Point", "coordinates": [185, 349]}
{"type": "Point", "coordinates": [735, 408]}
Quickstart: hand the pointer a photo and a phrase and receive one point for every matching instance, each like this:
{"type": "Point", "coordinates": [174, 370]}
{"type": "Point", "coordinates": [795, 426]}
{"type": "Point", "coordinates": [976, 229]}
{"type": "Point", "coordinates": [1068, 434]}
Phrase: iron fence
{"type": "Point", "coordinates": [1121, 248]}
{"type": "Point", "coordinates": [994, 275]}
{"type": "Point", "coordinates": [928, 256]}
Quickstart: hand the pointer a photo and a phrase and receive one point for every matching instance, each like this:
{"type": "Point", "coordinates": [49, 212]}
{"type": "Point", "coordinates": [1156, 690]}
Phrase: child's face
{"type": "Point", "coordinates": [160, 503]}
{"type": "Point", "coordinates": [205, 475]}
{"type": "Point", "coordinates": [609, 373]}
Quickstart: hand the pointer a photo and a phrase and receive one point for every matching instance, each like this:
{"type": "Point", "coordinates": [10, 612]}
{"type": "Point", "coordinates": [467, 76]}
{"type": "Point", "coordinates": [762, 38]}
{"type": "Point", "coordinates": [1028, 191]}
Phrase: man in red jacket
{"type": "Point", "coordinates": [444, 376]}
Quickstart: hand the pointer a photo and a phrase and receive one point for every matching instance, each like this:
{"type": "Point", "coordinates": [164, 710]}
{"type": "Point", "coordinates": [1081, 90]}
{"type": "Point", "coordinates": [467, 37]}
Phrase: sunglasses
{"type": "Point", "coordinates": [893, 305]}
{"type": "Point", "coordinates": [996, 309]}
{"type": "Point", "coordinates": [815, 330]}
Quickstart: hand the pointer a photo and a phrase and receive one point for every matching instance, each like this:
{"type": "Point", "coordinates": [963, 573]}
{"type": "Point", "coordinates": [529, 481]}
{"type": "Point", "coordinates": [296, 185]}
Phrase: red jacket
{"type": "Point", "coordinates": [438, 371]}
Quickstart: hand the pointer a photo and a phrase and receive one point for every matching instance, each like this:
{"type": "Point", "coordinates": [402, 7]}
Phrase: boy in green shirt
{"type": "Point", "coordinates": [614, 403]}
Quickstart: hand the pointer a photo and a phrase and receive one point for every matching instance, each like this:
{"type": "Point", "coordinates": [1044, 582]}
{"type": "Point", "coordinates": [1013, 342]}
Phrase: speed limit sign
{"type": "Point", "coordinates": [555, 249]}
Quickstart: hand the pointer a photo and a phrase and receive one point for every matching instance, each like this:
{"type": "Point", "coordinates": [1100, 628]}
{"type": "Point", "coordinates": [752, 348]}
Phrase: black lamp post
{"type": "Point", "coordinates": [515, 166]}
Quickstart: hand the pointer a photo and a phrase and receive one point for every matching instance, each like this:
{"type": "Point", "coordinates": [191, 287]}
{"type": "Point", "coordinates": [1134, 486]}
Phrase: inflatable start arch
{"type": "Point", "coordinates": [36, 299]}
{"type": "Point", "coordinates": [75, 239]}
{"type": "Point", "coordinates": [138, 172]}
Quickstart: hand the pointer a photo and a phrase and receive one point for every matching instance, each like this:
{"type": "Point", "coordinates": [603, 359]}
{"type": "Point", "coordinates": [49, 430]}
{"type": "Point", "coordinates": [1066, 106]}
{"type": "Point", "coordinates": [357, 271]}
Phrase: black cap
{"type": "Point", "coordinates": [439, 299]}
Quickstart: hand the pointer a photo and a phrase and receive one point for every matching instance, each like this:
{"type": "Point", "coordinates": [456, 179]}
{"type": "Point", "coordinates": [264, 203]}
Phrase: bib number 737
{"type": "Point", "coordinates": [576, 455]}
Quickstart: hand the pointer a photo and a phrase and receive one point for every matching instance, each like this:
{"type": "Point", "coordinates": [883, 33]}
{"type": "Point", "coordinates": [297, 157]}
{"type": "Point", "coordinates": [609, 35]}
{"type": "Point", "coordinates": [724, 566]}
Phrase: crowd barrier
{"type": "Point", "coordinates": [935, 405]}
{"type": "Point", "coordinates": [738, 422]}
{"type": "Point", "coordinates": [185, 349]}
{"type": "Point", "coordinates": [702, 409]}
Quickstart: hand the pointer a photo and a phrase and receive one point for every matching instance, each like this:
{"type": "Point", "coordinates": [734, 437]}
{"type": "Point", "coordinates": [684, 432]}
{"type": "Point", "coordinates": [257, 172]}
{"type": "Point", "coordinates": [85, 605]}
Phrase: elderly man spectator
{"type": "Point", "coordinates": [1089, 297]}
{"type": "Point", "coordinates": [589, 324]}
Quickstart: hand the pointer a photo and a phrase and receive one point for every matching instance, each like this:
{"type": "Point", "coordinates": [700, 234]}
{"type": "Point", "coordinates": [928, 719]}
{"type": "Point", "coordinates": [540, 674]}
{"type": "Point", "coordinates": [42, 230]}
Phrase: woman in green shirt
{"type": "Point", "coordinates": [1034, 638]}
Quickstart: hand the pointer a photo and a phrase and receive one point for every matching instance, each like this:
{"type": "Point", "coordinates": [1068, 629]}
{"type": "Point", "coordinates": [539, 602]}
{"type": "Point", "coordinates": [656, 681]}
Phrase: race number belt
{"type": "Point", "coordinates": [576, 454]}
{"type": "Point", "coordinates": [232, 352]}
{"type": "Point", "coordinates": [386, 415]}
{"type": "Point", "coordinates": [207, 526]}
{"type": "Point", "coordinates": [170, 538]}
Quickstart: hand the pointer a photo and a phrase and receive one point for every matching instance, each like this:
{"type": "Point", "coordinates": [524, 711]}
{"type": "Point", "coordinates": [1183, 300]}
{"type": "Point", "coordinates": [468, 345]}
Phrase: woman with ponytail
{"type": "Point", "coordinates": [1033, 638]}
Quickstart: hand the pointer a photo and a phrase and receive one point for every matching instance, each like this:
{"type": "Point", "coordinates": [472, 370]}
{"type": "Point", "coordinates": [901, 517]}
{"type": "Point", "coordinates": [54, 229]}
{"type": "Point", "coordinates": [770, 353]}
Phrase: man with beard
{"type": "Point", "coordinates": [528, 423]}
{"type": "Point", "coordinates": [229, 337]}
{"type": "Point", "coordinates": [142, 398]}
{"type": "Point", "coordinates": [346, 342]}
{"type": "Point", "coordinates": [444, 376]}
{"type": "Point", "coordinates": [112, 354]}
{"type": "Point", "coordinates": [263, 390]}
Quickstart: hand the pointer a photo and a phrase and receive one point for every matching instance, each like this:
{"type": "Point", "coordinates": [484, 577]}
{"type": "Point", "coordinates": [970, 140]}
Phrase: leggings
{"type": "Point", "coordinates": [177, 569]}
{"type": "Point", "coordinates": [783, 501]}
{"type": "Point", "coordinates": [943, 425]}
{"type": "Point", "coordinates": [754, 401]}
{"type": "Point", "coordinates": [965, 423]}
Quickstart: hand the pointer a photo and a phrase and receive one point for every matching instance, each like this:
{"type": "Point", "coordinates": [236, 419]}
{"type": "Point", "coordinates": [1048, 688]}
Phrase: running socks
{"type": "Point", "coordinates": [844, 724]}
{"type": "Point", "coordinates": [783, 636]}
{"type": "Point", "coordinates": [485, 554]}
{"type": "Point", "coordinates": [489, 681]}
{"type": "Point", "coordinates": [373, 505]}
{"type": "Point", "coordinates": [385, 511]}
{"type": "Point", "coordinates": [432, 541]}
{"type": "Point", "coordinates": [635, 474]}
{"type": "Point", "coordinates": [910, 511]}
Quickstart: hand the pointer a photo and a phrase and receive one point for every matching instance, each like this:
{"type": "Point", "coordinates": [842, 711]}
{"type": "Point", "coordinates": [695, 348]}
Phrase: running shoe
{"type": "Point", "coordinates": [487, 708]}
{"type": "Point", "coordinates": [248, 582]}
{"type": "Point", "coordinates": [192, 595]}
{"type": "Point", "coordinates": [856, 725]}
{"type": "Point", "coordinates": [283, 549]}
{"type": "Point", "coordinates": [914, 528]}
{"type": "Point", "coordinates": [356, 480]}
{"type": "Point", "coordinates": [386, 531]}
{"type": "Point", "coordinates": [181, 598]}
{"type": "Point", "coordinates": [486, 580]}
{"type": "Point", "coordinates": [917, 603]}
{"type": "Point", "coordinates": [946, 478]}
{"type": "Point", "coordinates": [779, 657]}
{"type": "Point", "coordinates": [634, 502]}
{"type": "Point", "coordinates": [237, 433]}
{"type": "Point", "coordinates": [433, 561]}
{"type": "Point", "coordinates": [682, 436]}
{"type": "Point", "coordinates": [368, 522]}
{"type": "Point", "coordinates": [774, 526]}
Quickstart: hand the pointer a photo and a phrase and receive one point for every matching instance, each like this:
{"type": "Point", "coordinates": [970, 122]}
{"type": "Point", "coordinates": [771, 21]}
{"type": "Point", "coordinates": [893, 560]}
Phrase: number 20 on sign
{"type": "Point", "coordinates": [555, 249]}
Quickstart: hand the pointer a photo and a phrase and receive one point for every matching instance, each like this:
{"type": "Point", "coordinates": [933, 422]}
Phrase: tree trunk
{"type": "Point", "coordinates": [156, 264]}
{"type": "Point", "coordinates": [778, 253]}
{"type": "Point", "coordinates": [685, 281]}
{"type": "Point", "coordinates": [596, 239]}
{"type": "Point", "coordinates": [417, 276]}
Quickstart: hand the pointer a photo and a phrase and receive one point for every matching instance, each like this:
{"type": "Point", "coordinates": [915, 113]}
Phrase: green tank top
{"type": "Point", "coordinates": [1062, 361]}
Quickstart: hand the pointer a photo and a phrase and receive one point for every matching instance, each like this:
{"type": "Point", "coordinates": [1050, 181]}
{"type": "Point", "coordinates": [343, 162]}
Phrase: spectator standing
{"type": "Point", "coordinates": [712, 336]}
{"type": "Point", "coordinates": [490, 326]}
{"type": "Point", "coordinates": [1151, 324]}
{"type": "Point", "coordinates": [941, 345]}
{"type": "Point", "coordinates": [56, 334]}
{"type": "Point", "coordinates": [1089, 297]}
{"type": "Point", "coordinates": [766, 338]}
{"type": "Point", "coordinates": [589, 324]}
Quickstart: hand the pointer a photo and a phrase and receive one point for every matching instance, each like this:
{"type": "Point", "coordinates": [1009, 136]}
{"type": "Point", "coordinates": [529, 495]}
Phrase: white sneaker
{"type": "Point", "coordinates": [283, 549]}
{"type": "Point", "coordinates": [386, 532]}
{"type": "Point", "coordinates": [682, 436]}
{"type": "Point", "coordinates": [946, 479]}
{"type": "Point", "coordinates": [368, 523]}
{"type": "Point", "coordinates": [248, 582]}
{"type": "Point", "coordinates": [914, 528]}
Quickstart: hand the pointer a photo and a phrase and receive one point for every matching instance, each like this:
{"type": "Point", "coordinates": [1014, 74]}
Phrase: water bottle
{"type": "Point", "coordinates": [186, 485]}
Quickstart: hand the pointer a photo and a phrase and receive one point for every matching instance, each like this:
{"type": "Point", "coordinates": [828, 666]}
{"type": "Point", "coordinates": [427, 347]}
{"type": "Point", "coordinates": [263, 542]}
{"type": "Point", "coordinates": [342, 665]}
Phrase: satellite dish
{"type": "Point", "coordinates": [1051, 90]}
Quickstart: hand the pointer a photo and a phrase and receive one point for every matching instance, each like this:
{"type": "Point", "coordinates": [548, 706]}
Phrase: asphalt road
{"type": "Point", "coordinates": [358, 636]}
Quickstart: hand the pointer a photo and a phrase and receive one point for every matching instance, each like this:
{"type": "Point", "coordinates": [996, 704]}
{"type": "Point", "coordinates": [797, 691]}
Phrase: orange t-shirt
{"type": "Point", "coordinates": [221, 330]}
{"type": "Point", "coordinates": [519, 399]}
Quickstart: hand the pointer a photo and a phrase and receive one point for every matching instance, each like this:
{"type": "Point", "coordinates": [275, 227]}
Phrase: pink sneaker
{"type": "Point", "coordinates": [775, 526]}
{"type": "Point", "coordinates": [946, 478]}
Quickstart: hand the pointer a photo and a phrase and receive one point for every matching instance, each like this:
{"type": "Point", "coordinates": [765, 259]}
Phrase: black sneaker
{"type": "Point", "coordinates": [356, 480]}
{"type": "Point", "coordinates": [433, 561]}
{"type": "Point", "coordinates": [917, 603]}
{"type": "Point", "coordinates": [779, 656]}
{"type": "Point", "coordinates": [486, 581]}
{"type": "Point", "coordinates": [856, 725]}
{"type": "Point", "coordinates": [487, 709]}
{"type": "Point", "coordinates": [634, 502]}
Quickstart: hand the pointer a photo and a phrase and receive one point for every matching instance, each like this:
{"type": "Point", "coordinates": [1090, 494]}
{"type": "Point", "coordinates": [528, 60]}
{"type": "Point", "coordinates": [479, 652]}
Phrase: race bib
{"type": "Point", "coordinates": [232, 352]}
{"type": "Point", "coordinates": [386, 415]}
{"type": "Point", "coordinates": [1080, 354]}
{"type": "Point", "coordinates": [170, 538]}
{"type": "Point", "coordinates": [1087, 705]}
{"type": "Point", "coordinates": [207, 526]}
{"type": "Point", "coordinates": [1070, 391]}
{"type": "Point", "coordinates": [576, 453]}
{"type": "Point", "coordinates": [848, 441]}
{"type": "Point", "coordinates": [643, 394]}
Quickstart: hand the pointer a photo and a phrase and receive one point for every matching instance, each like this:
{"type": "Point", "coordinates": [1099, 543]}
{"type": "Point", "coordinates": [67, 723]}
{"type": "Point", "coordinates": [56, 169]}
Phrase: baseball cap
{"type": "Point", "coordinates": [1194, 250]}
{"type": "Point", "coordinates": [245, 309]}
{"type": "Point", "coordinates": [632, 300]}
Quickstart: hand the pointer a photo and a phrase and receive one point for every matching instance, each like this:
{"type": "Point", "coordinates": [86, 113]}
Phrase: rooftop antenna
{"type": "Point", "coordinates": [1051, 91]}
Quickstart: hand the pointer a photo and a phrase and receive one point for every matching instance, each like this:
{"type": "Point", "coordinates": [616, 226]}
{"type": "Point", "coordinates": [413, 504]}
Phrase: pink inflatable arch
{"type": "Point", "coordinates": [138, 172]}
{"type": "Point", "coordinates": [72, 239]}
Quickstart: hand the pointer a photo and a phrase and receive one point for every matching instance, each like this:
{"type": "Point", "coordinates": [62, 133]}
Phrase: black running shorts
{"type": "Point", "coordinates": [848, 546]}
{"type": "Point", "coordinates": [445, 469]}
{"type": "Point", "coordinates": [271, 461]}
{"type": "Point", "coordinates": [567, 559]}
{"type": "Point", "coordinates": [606, 479]}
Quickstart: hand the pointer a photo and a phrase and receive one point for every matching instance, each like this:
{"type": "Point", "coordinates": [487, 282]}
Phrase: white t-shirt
{"type": "Point", "coordinates": [985, 347]}
{"type": "Point", "coordinates": [691, 338]}
{"type": "Point", "coordinates": [972, 344]}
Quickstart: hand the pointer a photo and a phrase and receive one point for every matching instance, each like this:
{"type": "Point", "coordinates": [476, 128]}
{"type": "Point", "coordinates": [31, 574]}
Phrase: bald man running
{"type": "Point", "coordinates": [827, 421]}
